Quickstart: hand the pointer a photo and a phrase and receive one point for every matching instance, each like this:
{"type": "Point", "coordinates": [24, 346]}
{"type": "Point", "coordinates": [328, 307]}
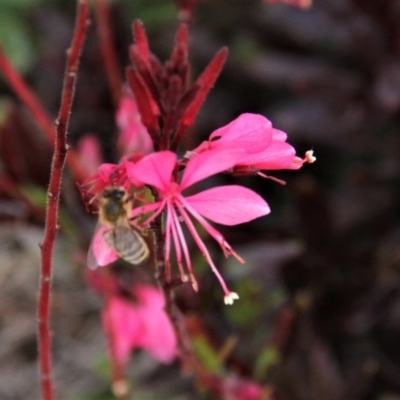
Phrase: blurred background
{"type": "Point", "coordinates": [319, 310]}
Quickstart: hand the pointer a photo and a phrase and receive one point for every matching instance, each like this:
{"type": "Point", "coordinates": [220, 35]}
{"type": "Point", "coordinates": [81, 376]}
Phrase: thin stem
{"type": "Point", "coordinates": [185, 350]}
{"type": "Point", "coordinates": [39, 114]}
{"type": "Point", "coordinates": [53, 196]}
{"type": "Point", "coordinates": [104, 34]}
{"type": "Point", "coordinates": [190, 362]}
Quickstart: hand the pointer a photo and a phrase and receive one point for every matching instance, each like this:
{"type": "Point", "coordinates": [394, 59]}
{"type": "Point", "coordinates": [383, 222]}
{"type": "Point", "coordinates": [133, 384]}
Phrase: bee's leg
{"type": "Point", "coordinates": [128, 199]}
{"type": "Point", "coordinates": [141, 230]}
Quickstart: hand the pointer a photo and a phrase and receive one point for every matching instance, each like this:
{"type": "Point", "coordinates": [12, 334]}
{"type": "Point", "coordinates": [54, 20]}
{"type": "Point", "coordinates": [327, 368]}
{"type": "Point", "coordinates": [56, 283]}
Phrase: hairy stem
{"type": "Point", "coordinates": [53, 196]}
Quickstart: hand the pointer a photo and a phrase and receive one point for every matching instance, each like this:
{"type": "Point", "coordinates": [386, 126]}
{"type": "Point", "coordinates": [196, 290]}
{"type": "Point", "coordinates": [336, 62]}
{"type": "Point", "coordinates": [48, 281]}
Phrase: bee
{"type": "Point", "coordinates": [114, 211]}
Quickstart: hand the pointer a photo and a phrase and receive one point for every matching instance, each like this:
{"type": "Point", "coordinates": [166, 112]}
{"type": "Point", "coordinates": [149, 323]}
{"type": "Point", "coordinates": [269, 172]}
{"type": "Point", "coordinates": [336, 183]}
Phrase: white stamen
{"type": "Point", "coordinates": [230, 298]}
{"type": "Point", "coordinates": [309, 157]}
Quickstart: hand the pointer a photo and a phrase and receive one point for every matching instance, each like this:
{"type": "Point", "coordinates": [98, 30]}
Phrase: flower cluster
{"type": "Point", "coordinates": [167, 106]}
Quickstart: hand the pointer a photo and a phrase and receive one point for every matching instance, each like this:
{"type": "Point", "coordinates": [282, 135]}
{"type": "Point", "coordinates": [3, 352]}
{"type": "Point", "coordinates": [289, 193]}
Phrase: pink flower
{"type": "Point", "coordinates": [227, 205]}
{"type": "Point", "coordinates": [249, 132]}
{"type": "Point", "coordinates": [296, 3]}
{"type": "Point", "coordinates": [89, 152]}
{"type": "Point", "coordinates": [95, 184]}
{"type": "Point", "coordinates": [265, 147]}
{"type": "Point", "coordinates": [133, 136]}
{"type": "Point", "coordinates": [277, 155]}
{"type": "Point", "coordinates": [142, 323]}
{"type": "Point", "coordinates": [236, 388]}
{"type": "Point", "coordinates": [107, 175]}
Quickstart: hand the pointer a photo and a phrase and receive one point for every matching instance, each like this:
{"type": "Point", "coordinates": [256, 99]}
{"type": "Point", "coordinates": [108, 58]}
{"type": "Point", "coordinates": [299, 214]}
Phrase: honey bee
{"type": "Point", "coordinates": [114, 211]}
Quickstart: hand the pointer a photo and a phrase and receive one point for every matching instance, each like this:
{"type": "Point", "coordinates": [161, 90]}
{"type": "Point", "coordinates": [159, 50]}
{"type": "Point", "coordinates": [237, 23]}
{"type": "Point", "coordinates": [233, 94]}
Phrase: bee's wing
{"type": "Point", "coordinates": [100, 253]}
{"type": "Point", "coordinates": [127, 243]}
{"type": "Point", "coordinates": [91, 261]}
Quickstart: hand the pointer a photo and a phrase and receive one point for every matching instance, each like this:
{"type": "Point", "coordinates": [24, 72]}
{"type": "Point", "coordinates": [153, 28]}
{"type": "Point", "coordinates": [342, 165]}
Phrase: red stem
{"type": "Point", "coordinates": [105, 36]}
{"type": "Point", "coordinates": [53, 196]}
{"type": "Point", "coordinates": [39, 114]}
{"type": "Point", "coordinates": [190, 361]}
{"type": "Point", "coordinates": [120, 385]}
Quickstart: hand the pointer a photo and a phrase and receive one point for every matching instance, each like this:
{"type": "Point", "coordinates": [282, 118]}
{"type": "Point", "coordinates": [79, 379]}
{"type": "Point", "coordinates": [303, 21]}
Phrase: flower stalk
{"type": "Point", "coordinates": [53, 197]}
{"type": "Point", "coordinates": [189, 360]}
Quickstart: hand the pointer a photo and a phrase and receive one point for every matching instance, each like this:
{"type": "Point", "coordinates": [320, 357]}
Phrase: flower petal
{"type": "Point", "coordinates": [278, 135]}
{"type": "Point", "coordinates": [229, 205]}
{"type": "Point", "coordinates": [105, 170]}
{"type": "Point", "coordinates": [133, 135]}
{"type": "Point", "coordinates": [154, 169]}
{"type": "Point", "coordinates": [279, 155]}
{"type": "Point", "coordinates": [251, 132]}
{"type": "Point", "coordinates": [122, 321]}
{"type": "Point", "coordinates": [209, 163]}
{"type": "Point", "coordinates": [154, 320]}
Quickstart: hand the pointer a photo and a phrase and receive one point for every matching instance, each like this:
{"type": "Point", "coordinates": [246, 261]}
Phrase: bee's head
{"type": "Point", "coordinates": [115, 193]}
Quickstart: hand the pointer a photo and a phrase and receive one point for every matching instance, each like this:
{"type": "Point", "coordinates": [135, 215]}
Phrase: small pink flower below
{"type": "Point", "coordinates": [140, 324]}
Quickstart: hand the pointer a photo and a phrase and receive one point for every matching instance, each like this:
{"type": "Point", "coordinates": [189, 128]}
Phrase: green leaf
{"type": "Point", "coordinates": [268, 357]}
{"type": "Point", "coordinates": [153, 13]}
{"type": "Point", "coordinates": [9, 4]}
{"type": "Point", "coordinates": [16, 40]}
{"type": "Point", "coordinates": [207, 355]}
{"type": "Point", "coordinates": [36, 195]}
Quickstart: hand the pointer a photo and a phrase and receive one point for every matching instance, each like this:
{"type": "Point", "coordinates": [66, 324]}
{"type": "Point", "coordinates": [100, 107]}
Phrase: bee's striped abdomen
{"type": "Point", "coordinates": [128, 244]}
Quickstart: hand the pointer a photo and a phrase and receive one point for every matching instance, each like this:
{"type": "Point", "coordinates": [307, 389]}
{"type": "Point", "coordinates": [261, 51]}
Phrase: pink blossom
{"type": "Point", "coordinates": [250, 132]}
{"type": "Point", "coordinates": [142, 323]}
{"type": "Point", "coordinates": [277, 155]}
{"type": "Point", "coordinates": [107, 175]}
{"type": "Point", "coordinates": [265, 147]}
{"type": "Point", "coordinates": [133, 135]}
{"type": "Point", "coordinates": [228, 205]}
{"type": "Point", "coordinates": [95, 184]}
